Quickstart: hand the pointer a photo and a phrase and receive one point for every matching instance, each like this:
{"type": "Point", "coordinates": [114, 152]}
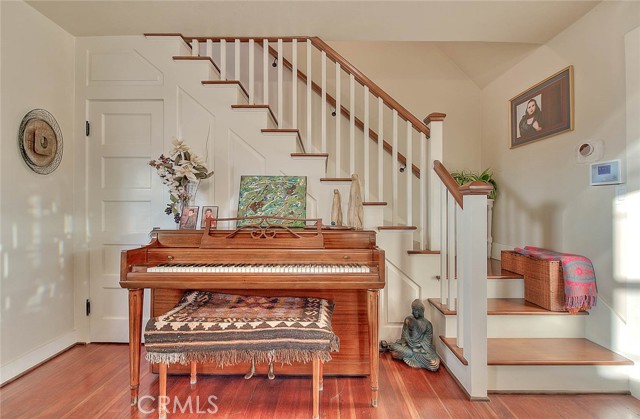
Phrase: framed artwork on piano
{"type": "Point", "coordinates": [209, 213]}
{"type": "Point", "coordinates": [189, 218]}
{"type": "Point", "coordinates": [278, 196]}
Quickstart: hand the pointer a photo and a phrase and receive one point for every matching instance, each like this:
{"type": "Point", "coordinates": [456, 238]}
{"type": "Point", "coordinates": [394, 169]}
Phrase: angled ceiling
{"type": "Point", "coordinates": [480, 36]}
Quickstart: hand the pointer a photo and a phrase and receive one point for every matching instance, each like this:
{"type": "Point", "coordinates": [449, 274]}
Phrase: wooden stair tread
{"type": "Point", "coordinates": [335, 179]}
{"type": "Point", "coordinates": [226, 82]}
{"type": "Point", "coordinates": [495, 271]}
{"type": "Point", "coordinates": [507, 306]}
{"type": "Point", "coordinates": [398, 228]}
{"type": "Point", "coordinates": [423, 252]}
{"type": "Point", "coordinates": [544, 351]}
{"type": "Point", "coordinates": [323, 155]}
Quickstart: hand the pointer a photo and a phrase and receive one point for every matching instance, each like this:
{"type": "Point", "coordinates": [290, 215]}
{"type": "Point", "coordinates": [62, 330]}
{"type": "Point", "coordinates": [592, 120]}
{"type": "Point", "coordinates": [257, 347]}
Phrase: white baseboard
{"type": "Point", "coordinates": [14, 368]}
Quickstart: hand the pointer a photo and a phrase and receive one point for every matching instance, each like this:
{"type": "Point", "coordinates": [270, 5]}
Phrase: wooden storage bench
{"type": "Point", "coordinates": [543, 281]}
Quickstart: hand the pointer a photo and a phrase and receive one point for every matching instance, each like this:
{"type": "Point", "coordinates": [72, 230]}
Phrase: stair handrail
{"type": "Point", "coordinates": [448, 181]}
{"type": "Point", "coordinates": [373, 88]}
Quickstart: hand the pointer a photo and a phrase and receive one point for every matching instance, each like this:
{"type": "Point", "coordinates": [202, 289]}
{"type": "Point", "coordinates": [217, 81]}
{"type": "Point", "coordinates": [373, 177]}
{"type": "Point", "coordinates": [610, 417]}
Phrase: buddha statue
{"type": "Point", "coordinates": [415, 346]}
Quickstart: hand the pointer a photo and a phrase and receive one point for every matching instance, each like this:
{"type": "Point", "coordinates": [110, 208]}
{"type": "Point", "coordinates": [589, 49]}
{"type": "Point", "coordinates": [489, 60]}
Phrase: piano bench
{"type": "Point", "coordinates": [229, 329]}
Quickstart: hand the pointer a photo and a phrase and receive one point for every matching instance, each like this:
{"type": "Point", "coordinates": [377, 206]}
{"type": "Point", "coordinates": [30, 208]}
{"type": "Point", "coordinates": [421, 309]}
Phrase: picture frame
{"type": "Point", "coordinates": [189, 218]}
{"type": "Point", "coordinates": [544, 110]}
{"type": "Point", "coordinates": [276, 196]}
{"type": "Point", "coordinates": [209, 212]}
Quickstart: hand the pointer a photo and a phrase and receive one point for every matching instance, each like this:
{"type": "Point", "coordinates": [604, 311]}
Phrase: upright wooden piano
{"type": "Point", "coordinates": [264, 258]}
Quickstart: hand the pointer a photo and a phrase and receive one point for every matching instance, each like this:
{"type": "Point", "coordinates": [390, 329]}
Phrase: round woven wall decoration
{"type": "Point", "coordinates": [40, 141]}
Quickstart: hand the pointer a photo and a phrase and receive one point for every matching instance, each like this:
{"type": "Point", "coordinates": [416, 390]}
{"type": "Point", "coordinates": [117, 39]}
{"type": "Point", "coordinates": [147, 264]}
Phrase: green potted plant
{"type": "Point", "coordinates": [466, 176]}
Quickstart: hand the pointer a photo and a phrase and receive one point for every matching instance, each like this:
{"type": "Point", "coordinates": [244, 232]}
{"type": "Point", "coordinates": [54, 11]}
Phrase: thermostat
{"type": "Point", "coordinates": [606, 173]}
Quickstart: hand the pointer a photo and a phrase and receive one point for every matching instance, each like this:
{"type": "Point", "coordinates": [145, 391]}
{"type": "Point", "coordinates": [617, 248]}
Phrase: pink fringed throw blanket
{"type": "Point", "coordinates": [580, 290]}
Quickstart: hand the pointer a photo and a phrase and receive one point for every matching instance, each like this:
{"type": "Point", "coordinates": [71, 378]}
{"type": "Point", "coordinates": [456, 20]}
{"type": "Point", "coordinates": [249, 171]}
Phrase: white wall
{"type": "Point", "coordinates": [36, 227]}
{"type": "Point", "coordinates": [545, 196]}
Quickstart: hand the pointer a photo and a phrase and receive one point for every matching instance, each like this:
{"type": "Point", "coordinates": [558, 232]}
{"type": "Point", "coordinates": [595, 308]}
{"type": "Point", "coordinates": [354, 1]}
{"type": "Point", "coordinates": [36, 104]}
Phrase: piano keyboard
{"type": "Point", "coordinates": [259, 268]}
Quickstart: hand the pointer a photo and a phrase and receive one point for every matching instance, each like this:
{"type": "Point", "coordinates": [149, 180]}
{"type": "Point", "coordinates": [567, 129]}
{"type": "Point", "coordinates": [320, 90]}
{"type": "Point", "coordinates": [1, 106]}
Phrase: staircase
{"type": "Point", "coordinates": [531, 349]}
{"type": "Point", "coordinates": [275, 118]}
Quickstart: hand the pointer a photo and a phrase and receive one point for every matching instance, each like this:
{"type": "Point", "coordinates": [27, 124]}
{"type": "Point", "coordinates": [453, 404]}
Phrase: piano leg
{"type": "Point", "coordinates": [135, 332]}
{"type": "Point", "coordinates": [372, 312]}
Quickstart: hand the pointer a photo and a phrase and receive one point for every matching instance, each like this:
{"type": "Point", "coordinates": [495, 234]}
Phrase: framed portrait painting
{"type": "Point", "coordinates": [209, 213]}
{"type": "Point", "coordinates": [543, 110]}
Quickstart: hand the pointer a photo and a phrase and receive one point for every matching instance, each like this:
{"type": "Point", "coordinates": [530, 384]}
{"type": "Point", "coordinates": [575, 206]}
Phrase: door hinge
{"type": "Point", "coordinates": [87, 128]}
{"type": "Point", "coordinates": [88, 307]}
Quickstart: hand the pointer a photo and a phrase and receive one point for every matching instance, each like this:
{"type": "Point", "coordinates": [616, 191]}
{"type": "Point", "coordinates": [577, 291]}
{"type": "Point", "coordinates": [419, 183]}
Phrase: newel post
{"type": "Point", "coordinates": [472, 278]}
{"type": "Point", "coordinates": [435, 123]}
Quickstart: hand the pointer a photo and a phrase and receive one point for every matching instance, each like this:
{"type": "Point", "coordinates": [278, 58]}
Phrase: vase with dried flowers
{"type": "Point", "coordinates": [181, 171]}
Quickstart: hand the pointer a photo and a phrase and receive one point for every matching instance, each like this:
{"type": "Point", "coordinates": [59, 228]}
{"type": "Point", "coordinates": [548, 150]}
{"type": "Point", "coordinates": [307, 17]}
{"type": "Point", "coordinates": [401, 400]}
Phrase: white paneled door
{"type": "Point", "coordinates": [124, 136]}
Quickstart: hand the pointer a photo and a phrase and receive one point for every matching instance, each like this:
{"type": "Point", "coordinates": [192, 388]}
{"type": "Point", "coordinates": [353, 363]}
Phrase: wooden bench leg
{"type": "Point", "coordinates": [321, 376]}
{"type": "Point", "coordinates": [162, 392]}
{"type": "Point", "coordinates": [194, 373]}
{"type": "Point", "coordinates": [316, 388]}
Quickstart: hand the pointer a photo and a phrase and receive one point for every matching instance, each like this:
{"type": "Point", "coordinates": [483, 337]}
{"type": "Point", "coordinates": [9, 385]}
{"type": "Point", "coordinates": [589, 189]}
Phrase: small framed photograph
{"type": "Point", "coordinates": [209, 213]}
{"type": "Point", "coordinates": [543, 110]}
{"type": "Point", "coordinates": [189, 218]}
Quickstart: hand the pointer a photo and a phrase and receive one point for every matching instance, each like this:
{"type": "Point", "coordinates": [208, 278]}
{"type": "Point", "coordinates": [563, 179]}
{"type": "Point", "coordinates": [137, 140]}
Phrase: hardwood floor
{"type": "Point", "coordinates": [92, 381]}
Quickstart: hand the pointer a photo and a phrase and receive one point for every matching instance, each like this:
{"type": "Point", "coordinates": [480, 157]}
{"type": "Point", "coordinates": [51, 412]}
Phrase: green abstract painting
{"type": "Point", "coordinates": [278, 196]}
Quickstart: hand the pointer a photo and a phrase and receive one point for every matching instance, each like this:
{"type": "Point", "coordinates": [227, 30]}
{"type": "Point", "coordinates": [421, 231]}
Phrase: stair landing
{"type": "Point", "coordinates": [543, 351]}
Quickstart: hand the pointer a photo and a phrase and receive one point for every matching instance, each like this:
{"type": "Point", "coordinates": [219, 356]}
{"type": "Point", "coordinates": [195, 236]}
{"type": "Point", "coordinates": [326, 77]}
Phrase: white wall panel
{"type": "Point", "coordinates": [121, 67]}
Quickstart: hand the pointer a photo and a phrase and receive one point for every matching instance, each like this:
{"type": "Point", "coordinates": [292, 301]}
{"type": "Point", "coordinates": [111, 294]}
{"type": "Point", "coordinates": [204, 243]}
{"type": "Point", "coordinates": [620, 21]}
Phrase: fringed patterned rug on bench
{"type": "Point", "coordinates": [229, 329]}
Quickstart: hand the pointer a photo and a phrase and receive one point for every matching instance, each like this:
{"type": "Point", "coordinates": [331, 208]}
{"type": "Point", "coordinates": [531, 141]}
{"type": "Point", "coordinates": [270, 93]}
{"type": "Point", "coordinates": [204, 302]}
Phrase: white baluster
{"type": "Point", "coordinates": [380, 149]}
{"type": "Point", "coordinates": [424, 172]}
{"type": "Point", "coordinates": [294, 83]}
{"type": "Point", "coordinates": [394, 167]}
{"type": "Point", "coordinates": [323, 117]}
{"type": "Point", "coordinates": [309, 94]}
{"type": "Point", "coordinates": [444, 266]}
{"type": "Point", "coordinates": [460, 284]}
{"type": "Point", "coordinates": [265, 71]}
{"type": "Point", "coordinates": [223, 59]}
{"type": "Point", "coordinates": [252, 71]}
{"type": "Point", "coordinates": [366, 143]}
{"type": "Point", "coordinates": [352, 124]}
{"type": "Point", "coordinates": [195, 48]}
{"type": "Point", "coordinates": [338, 158]}
{"type": "Point", "coordinates": [237, 60]}
{"type": "Point", "coordinates": [209, 48]}
{"type": "Point", "coordinates": [451, 250]}
{"type": "Point", "coordinates": [280, 85]}
{"type": "Point", "coordinates": [408, 172]}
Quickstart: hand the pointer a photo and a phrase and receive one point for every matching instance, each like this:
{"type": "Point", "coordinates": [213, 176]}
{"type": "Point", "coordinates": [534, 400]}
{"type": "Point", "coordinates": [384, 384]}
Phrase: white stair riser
{"type": "Point", "coordinates": [198, 70]}
{"type": "Point", "coordinates": [173, 45]}
{"type": "Point", "coordinates": [532, 326]}
{"type": "Point", "coordinates": [559, 378]}
{"type": "Point", "coordinates": [261, 116]}
{"type": "Point", "coordinates": [373, 216]}
{"type": "Point", "coordinates": [505, 288]}
{"type": "Point", "coordinates": [518, 326]}
{"type": "Point", "coordinates": [233, 94]}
